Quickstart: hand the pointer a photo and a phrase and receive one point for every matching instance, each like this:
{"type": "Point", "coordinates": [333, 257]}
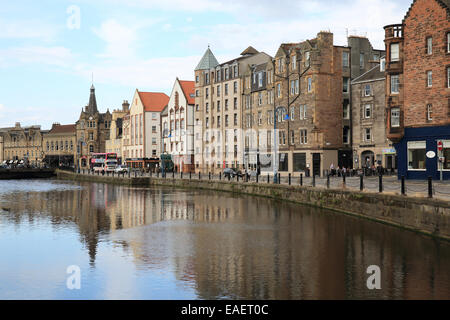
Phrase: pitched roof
{"type": "Point", "coordinates": [249, 50]}
{"type": "Point", "coordinates": [66, 128]}
{"type": "Point", "coordinates": [188, 90]}
{"type": "Point", "coordinates": [443, 3]}
{"type": "Point", "coordinates": [372, 74]}
{"type": "Point", "coordinates": [153, 101]}
{"type": "Point", "coordinates": [207, 62]}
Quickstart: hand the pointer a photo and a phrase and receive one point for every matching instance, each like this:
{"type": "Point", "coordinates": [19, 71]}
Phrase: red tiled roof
{"type": "Point", "coordinates": [154, 101]}
{"type": "Point", "coordinates": [189, 91]}
{"type": "Point", "coordinates": [66, 128]}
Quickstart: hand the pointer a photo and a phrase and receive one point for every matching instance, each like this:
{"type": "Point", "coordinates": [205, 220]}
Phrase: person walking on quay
{"type": "Point", "coordinates": [332, 170]}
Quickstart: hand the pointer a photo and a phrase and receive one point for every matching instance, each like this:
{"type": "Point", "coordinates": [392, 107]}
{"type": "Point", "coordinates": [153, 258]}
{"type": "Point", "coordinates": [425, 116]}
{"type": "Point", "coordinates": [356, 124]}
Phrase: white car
{"type": "Point", "coordinates": [121, 169]}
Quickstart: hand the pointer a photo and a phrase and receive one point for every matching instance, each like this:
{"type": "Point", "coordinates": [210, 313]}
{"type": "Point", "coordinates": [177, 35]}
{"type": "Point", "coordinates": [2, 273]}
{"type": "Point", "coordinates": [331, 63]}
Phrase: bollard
{"type": "Point", "coordinates": [289, 179]}
{"type": "Point", "coordinates": [314, 180]}
{"type": "Point", "coordinates": [256, 177]}
{"type": "Point", "coordinates": [237, 177]}
{"type": "Point", "coordinates": [229, 177]}
{"type": "Point", "coordinates": [403, 186]}
{"type": "Point", "coordinates": [190, 175]}
{"type": "Point", "coordinates": [430, 187]}
{"type": "Point", "coordinates": [301, 179]}
{"type": "Point", "coordinates": [181, 175]}
{"type": "Point", "coordinates": [361, 182]}
{"type": "Point", "coordinates": [380, 183]}
{"type": "Point", "coordinates": [343, 180]}
{"type": "Point", "coordinates": [220, 175]}
{"type": "Point", "coordinates": [209, 175]}
{"type": "Point", "coordinates": [267, 178]}
{"type": "Point", "coordinates": [199, 175]}
{"type": "Point", "coordinates": [328, 181]}
{"type": "Point", "coordinates": [279, 178]}
{"type": "Point", "coordinates": [135, 174]}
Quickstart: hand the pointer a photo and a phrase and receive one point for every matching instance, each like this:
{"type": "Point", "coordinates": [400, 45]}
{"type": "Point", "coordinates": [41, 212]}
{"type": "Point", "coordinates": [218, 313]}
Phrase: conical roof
{"type": "Point", "coordinates": [208, 61]}
{"type": "Point", "coordinates": [92, 106]}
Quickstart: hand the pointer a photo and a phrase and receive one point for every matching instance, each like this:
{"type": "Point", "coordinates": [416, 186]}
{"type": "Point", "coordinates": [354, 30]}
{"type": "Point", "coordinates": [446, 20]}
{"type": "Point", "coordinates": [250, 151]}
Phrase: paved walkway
{"type": "Point", "coordinates": [391, 184]}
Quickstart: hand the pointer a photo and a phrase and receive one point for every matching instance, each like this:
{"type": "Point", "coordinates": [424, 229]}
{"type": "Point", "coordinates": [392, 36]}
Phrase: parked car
{"type": "Point", "coordinates": [231, 172]}
{"type": "Point", "coordinates": [121, 169]}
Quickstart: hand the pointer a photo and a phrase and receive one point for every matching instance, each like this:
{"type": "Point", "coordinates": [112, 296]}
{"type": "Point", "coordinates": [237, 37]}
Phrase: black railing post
{"type": "Point", "coordinates": [403, 185]}
{"type": "Point", "coordinates": [314, 180]}
{"type": "Point", "coordinates": [209, 175]}
{"type": "Point", "coordinates": [190, 175]}
{"type": "Point", "coordinates": [181, 175]}
{"type": "Point", "coordinates": [343, 180]}
{"type": "Point", "coordinates": [361, 182]}
{"type": "Point", "coordinates": [173, 174]}
{"type": "Point", "coordinates": [279, 178]}
{"type": "Point", "coordinates": [220, 175]}
{"type": "Point", "coordinates": [301, 179]}
{"type": "Point", "coordinates": [328, 181]}
{"type": "Point", "coordinates": [289, 178]}
{"type": "Point", "coordinates": [268, 178]}
{"type": "Point", "coordinates": [430, 187]}
{"type": "Point", "coordinates": [229, 177]}
{"type": "Point", "coordinates": [199, 176]}
{"type": "Point", "coordinates": [380, 183]}
{"type": "Point", "coordinates": [256, 177]}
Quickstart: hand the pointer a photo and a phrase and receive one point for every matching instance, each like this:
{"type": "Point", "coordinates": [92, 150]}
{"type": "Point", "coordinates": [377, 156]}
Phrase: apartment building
{"type": "Point", "coordinates": [218, 129]}
{"type": "Point", "coordinates": [143, 140]}
{"type": "Point", "coordinates": [115, 142]}
{"type": "Point", "coordinates": [59, 145]}
{"type": "Point", "coordinates": [178, 126]}
{"type": "Point", "coordinates": [418, 89]}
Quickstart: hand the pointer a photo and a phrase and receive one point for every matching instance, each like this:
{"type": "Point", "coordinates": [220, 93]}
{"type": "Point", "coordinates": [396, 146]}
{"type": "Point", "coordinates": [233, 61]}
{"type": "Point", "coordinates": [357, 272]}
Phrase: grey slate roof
{"type": "Point", "coordinates": [208, 61]}
{"type": "Point", "coordinates": [372, 74]}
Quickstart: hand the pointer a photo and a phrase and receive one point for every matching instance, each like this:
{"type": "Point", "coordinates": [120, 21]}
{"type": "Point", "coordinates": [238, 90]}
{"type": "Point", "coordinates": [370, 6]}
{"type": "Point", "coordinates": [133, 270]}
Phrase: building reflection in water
{"type": "Point", "coordinates": [229, 246]}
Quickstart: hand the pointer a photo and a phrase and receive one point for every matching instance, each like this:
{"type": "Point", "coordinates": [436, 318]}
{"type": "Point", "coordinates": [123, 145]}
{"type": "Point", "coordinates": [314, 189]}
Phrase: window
{"type": "Point", "coordinates": [259, 98]}
{"type": "Point", "coordinates": [303, 136]}
{"type": "Point", "coordinates": [448, 42]}
{"type": "Point", "coordinates": [235, 87]}
{"type": "Point", "coordinates": [309, 84]}
{"type": "Point", "coordinates": [307, 58]}
{"type": "Point", "coordinates": [429, 112]}
{"type": "Point", "coordinates": [91, 148]}
{"type": "Point", "coordinates": [292, 87]}
{"type": "Point", "coordinates": [429, 79]}
{"type": "Point", "coordinates": [297, 89]}
{"type": "Point", "coordinates": [345, 135]}
{"type": "Point", "coordinates": [218, 91]}
{"type": "Point", "coordinates": [153, 140]}
{"type": "Point", "coordinates": [226, 88]}
{"type": "Point", "coordinates": [416, 155]}
{"type": "Point", "coordinates": [294, 62]}
{"type": "Point", "coordinates": [448, 77]}
{"type": "Point", "coordinates": [196, 107]}
{"type": "Point", "coordinates": [292, 137]}
{"type": "Point", "coordinates": [207, 107]}
{"type": "Point", "coordinates": [302, 113]}
{"type": "Point", "coordinates": [292, 113]}
{"type": "Point", "coordinates": [235, 120]}
{"type": "Point", "coordinates": [429, 45]}
{"type": "Point", "coordinates": [395, 117]}
{"type": "Point", "coordinates": [259, 118]}
{"type": "Point", "coordinates": [345, 59]}
{"type": "Point", "coordinates": [346, 113]}
{"type": "Point", "coordinates": [446, 154]}
{"type": "Point", "coordinates": [367, 134]}
{"type": "Point", "coordinates": [367, 90]}
{"type": "Point", "coordinates": [207, 93]}
{"type": "Point", "coordinates": [218, 105]}
{"type": "Point", "coordinates": [345, 83]}
{"type": "Point", "coordinates": [361, 60]}
{"type": "Point", "coordinates": [153, 129]}
{"type": "Point", "coordinates": [395, 83]}
{"type": "Point", "coordinates": [235, 103]}
{"type": "Point", "coordinates": [196, 79]}
{"type": "Point", "coordinates": [154, 115]}
{"type": "Point", "coordinates": [395, 53]}
{"type": "Point", "coordinates": [278, 90]}
{"type": "Point", "coordinates": [367, 111]}
{"type": "Point", "coordinates": [260, 79]}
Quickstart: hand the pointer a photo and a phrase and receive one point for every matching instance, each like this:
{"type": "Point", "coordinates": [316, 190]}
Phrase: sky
{"type": "Point", "coordinates": [51, 50]}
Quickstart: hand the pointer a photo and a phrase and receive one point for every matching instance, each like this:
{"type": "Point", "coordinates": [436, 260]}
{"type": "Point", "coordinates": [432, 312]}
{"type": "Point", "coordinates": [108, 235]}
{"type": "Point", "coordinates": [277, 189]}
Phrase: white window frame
{"type": "Point", "coordinates": [368, 130]}
{"type": "Point", "coordinates": [429, 78]}
{"type": "Point", "coordinates": [367, 107]}
{"type": "Point", "coordinates": [429, 45]}
{"type": "Point", "coordinates": [429, 112]}
{"type": "Point", "coordinates": [415, 145]}
{"type": "Point", "coordinates": [367, 93]}
{"type": "Point", "coordinates": [395, 54]}
{"type": "Point", "coordinates": [395, 111]}
{"type": "Point", "coordinates": [395, 76]}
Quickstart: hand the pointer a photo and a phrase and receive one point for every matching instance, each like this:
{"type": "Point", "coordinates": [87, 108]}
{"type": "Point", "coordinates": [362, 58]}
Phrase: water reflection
{"type": "Point", "coordinates": [225, 246]}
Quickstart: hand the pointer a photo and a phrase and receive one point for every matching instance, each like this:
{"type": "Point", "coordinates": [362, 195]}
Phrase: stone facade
{"type": "Point", "coordinates": [92, 131]}
{"type": "Point", "coordinates": [219, 110]}
{"type": "Point", "coordinates": [23, 143]}
{"type": "Point", "coordinates": [370, 144]}
{"type": "Point", "coordinates": [418, 88]}
{"type": "Point", "coordinates": [59, 145]}
{"type": "Point", "coordinates": [115, 142]}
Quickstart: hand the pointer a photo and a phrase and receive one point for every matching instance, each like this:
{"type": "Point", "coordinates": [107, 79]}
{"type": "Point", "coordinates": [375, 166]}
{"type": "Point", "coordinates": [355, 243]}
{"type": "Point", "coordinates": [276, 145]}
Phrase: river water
{"type": "Point", "coordinates": [163, 243]}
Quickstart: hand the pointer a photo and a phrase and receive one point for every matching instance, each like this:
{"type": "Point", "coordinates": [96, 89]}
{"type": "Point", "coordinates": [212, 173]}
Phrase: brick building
{"type": "Point", "coordinates": [418, 89]}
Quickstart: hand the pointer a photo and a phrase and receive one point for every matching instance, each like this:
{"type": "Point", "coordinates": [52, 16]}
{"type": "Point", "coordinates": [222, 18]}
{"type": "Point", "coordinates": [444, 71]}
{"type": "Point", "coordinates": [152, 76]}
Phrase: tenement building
{"type": "Point", "coordinates": [142, 141]}
{"type": "Point", "coordinates": [370, 144]}
{"type": "Point", "coordinates": [178, 126]}
{"type": "Point", "coordinates": [219, 100]}
{"type": "Point", "coordinates": [92, 130]}
{"type": "Point", "coordinates": [418, 89]}
{"type": "Point", "coordinates": [115, 142]}
{"type": "Point", "coordinates": [23, 144]}
{"type": "Point", "coordinates": [59, 145]}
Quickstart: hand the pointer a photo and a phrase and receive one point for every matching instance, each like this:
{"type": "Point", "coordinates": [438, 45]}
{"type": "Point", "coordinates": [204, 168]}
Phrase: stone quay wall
{"type": "Point", "coordinates": [422, 215]}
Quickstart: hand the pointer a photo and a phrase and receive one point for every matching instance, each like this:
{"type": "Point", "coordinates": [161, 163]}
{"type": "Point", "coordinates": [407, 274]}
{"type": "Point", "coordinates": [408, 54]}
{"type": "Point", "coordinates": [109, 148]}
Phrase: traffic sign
{"type": "Point", "coordinates": [440, 145]}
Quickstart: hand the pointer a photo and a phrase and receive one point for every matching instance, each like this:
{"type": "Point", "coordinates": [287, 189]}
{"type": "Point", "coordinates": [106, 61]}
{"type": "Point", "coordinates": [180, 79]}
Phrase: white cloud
{"type": "Point", "coordinates": [54, 56]}
{"type": "Point", "coordinates": [27, 29]}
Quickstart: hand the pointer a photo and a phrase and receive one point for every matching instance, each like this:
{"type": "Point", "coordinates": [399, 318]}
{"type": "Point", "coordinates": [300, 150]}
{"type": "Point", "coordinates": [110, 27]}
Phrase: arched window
{"type": "Point", "coordinates": [91, 148]}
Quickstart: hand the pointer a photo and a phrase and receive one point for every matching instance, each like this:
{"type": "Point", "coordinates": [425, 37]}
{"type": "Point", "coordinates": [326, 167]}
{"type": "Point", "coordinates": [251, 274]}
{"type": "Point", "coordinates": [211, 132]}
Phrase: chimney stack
{"type": "Point", "coordinates": [125, 106]}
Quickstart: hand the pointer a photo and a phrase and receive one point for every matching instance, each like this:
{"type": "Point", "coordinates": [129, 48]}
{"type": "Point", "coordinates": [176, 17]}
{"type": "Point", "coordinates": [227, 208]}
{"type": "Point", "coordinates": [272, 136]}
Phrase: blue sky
{"type": "Point", "coordinates": [47, 59]}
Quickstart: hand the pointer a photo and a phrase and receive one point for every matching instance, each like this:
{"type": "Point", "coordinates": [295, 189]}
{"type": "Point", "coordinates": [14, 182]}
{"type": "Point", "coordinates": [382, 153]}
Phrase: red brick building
{"type": "Point", "coordinates": [418, 88]}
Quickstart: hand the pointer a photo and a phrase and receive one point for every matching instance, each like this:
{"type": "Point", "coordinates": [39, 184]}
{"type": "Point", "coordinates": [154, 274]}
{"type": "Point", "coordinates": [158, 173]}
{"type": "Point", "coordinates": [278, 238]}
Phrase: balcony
{"type": "Point", "coordinates": [393, 31]}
